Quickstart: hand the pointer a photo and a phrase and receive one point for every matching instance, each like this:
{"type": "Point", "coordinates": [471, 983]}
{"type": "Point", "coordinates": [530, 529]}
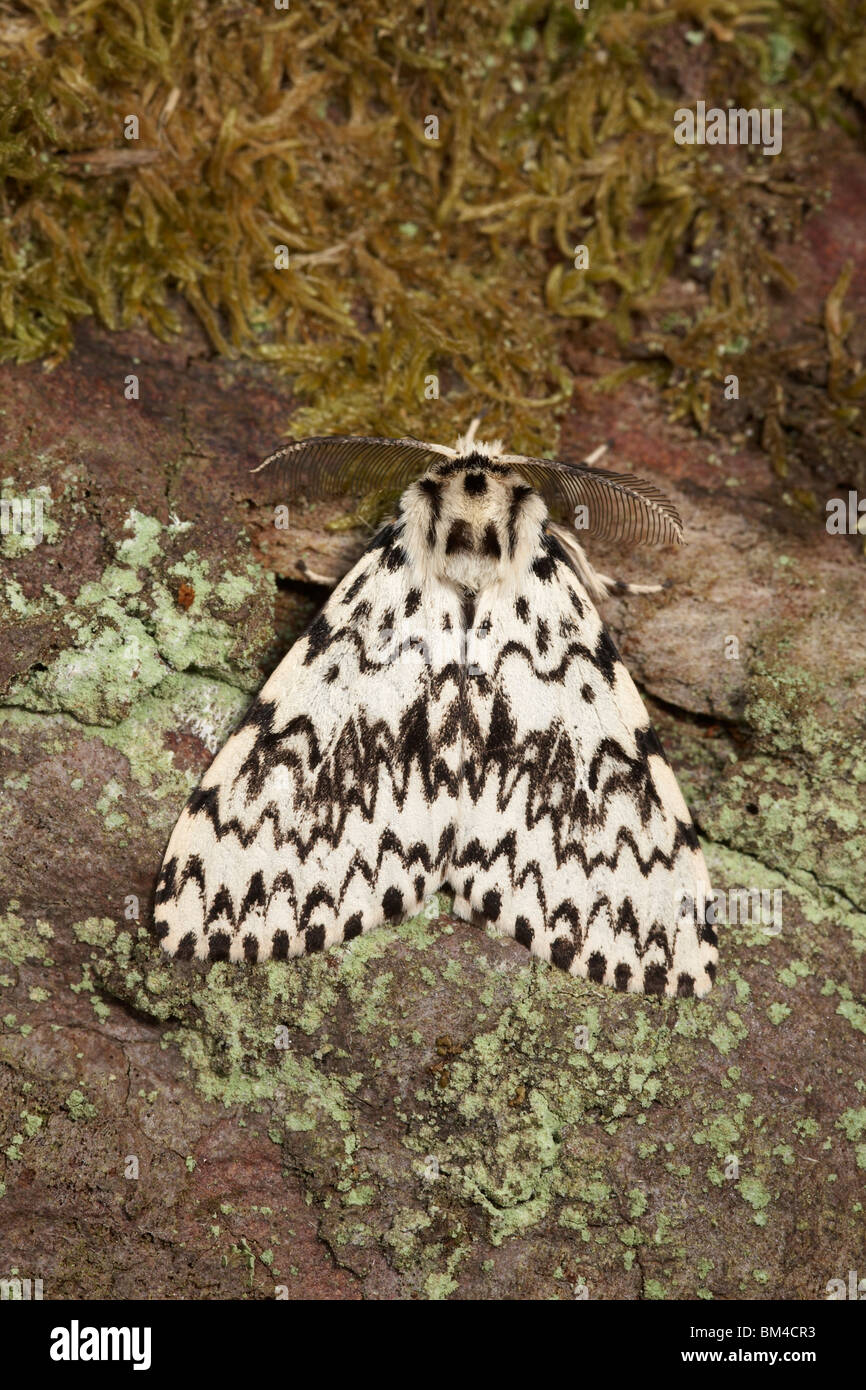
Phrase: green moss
{"type": "Point", "coordinates": [555, 128]}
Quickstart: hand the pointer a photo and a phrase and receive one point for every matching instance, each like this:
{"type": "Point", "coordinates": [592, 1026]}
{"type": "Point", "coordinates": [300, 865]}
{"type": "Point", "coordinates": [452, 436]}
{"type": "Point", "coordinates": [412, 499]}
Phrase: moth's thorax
{"type": "Point", "coordinates": [472, 521]}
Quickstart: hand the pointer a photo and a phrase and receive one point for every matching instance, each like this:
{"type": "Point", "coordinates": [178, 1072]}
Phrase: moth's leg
{"type": "Point", "coordinates": [620, 586]}
{"type": "Point", "coordinates": [311, 577]}
{"type": "Point", "coordinates": [598, 585]}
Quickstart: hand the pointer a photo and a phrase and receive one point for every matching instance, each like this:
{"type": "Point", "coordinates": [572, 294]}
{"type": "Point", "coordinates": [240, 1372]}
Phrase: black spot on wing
{"type": "Point", "coordinates": [621, 976]}
{"type": "Point", "coordinates": [523, 932]}
{"type": "Point", "coordinates": [655, 977]}
{"type": "Point", "coordinates": [491, 905]}
{"type": "Point", "coordinates": [356, 586]}
{"type": "Point", "coordinates": [596, 967]}
{"type": "Point", "coordinates": [352, 927]}
{"type": "Point", "coordinates": [562, 952]}
{"type": "Point", "coordinates": [319, 638]}
{"type": "Point", "coordinates": [314, 939]}
{"type": "Point", "coordinates": [392, 904]}
{"type": "Point", "coordinates": [186, 947]}
{"type": "Point", "coordinates": [218, 945]}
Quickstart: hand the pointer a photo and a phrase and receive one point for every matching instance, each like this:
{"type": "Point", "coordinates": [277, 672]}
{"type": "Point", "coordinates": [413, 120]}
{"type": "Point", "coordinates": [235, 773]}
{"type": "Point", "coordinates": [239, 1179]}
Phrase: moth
{"type": "Point", "coordinates": [457, 717]}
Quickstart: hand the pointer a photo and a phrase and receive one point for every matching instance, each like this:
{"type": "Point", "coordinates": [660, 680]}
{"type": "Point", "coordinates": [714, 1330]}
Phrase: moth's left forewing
{"type": "Point", "coordinates": [329, 810]}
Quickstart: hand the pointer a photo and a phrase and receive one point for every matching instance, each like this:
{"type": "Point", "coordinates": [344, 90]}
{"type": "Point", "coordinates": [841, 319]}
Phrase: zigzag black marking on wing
{"type": "Point", "coordinates": [370, 665]}
{"type": "Point", "coordinates": [550, 762]}
{"type": "Point", "coordinates": [624, 923]}
{"type": "Point", "coordinates": [604, 658]}
{"type": "Point", "coordinates": [475, 856]}
{"type": "Point", "coordinates": [346, 778]}
{"type": "Point", "coordinates": [170, 886]}
{"type": "Point", "coordinates": [222, 907]}
{"type": "Point", "coordinates": [573, 849]}
{"type": "Point", "coordinates": [532, 870]}
{"type": "Point", "coordinates": [389, 842]}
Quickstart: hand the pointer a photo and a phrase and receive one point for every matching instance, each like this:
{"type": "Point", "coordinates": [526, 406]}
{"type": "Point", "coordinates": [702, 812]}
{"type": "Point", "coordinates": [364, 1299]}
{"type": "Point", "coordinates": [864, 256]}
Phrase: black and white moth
{"type": "Point", "coordinates": [456, 716]}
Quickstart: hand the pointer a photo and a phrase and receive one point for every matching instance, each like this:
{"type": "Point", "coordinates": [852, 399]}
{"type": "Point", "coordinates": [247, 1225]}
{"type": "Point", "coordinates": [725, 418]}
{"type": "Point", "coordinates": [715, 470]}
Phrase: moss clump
{"type": "Point", "coordinates": [429, 178]}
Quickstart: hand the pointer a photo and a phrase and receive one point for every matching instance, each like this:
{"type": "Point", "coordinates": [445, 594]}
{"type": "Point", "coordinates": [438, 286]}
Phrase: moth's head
{"type": "Point", "coordinates": [472, 518]}
{"type": "Point", "coordinates": [611, 506]}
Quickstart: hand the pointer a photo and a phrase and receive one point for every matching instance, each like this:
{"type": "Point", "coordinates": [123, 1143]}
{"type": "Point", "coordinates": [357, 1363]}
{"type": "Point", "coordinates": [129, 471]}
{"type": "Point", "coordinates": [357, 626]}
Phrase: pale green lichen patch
{"type": "Point", "coordinates": [79, 1107]}
{"type": "Point", "coordinates": [197, 705]}
{"type": "Point", "coordinates": [112, 659]}
{"type": "Point", "coordinates": [23, 940]}
{"type": "Point", "coordinates": [796, 805]}
{"type": "Point", "coordinates": [95, 931]}
{"type": "Point", "coordinates": [135, 626]}
{"type": "Point", "coordinates": [753, 1191]}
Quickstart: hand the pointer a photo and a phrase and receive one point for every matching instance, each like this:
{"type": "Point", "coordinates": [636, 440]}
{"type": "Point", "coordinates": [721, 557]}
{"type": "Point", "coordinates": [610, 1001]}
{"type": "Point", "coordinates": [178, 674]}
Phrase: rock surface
{"type": "Point", "coordinates": [417, 1114]}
